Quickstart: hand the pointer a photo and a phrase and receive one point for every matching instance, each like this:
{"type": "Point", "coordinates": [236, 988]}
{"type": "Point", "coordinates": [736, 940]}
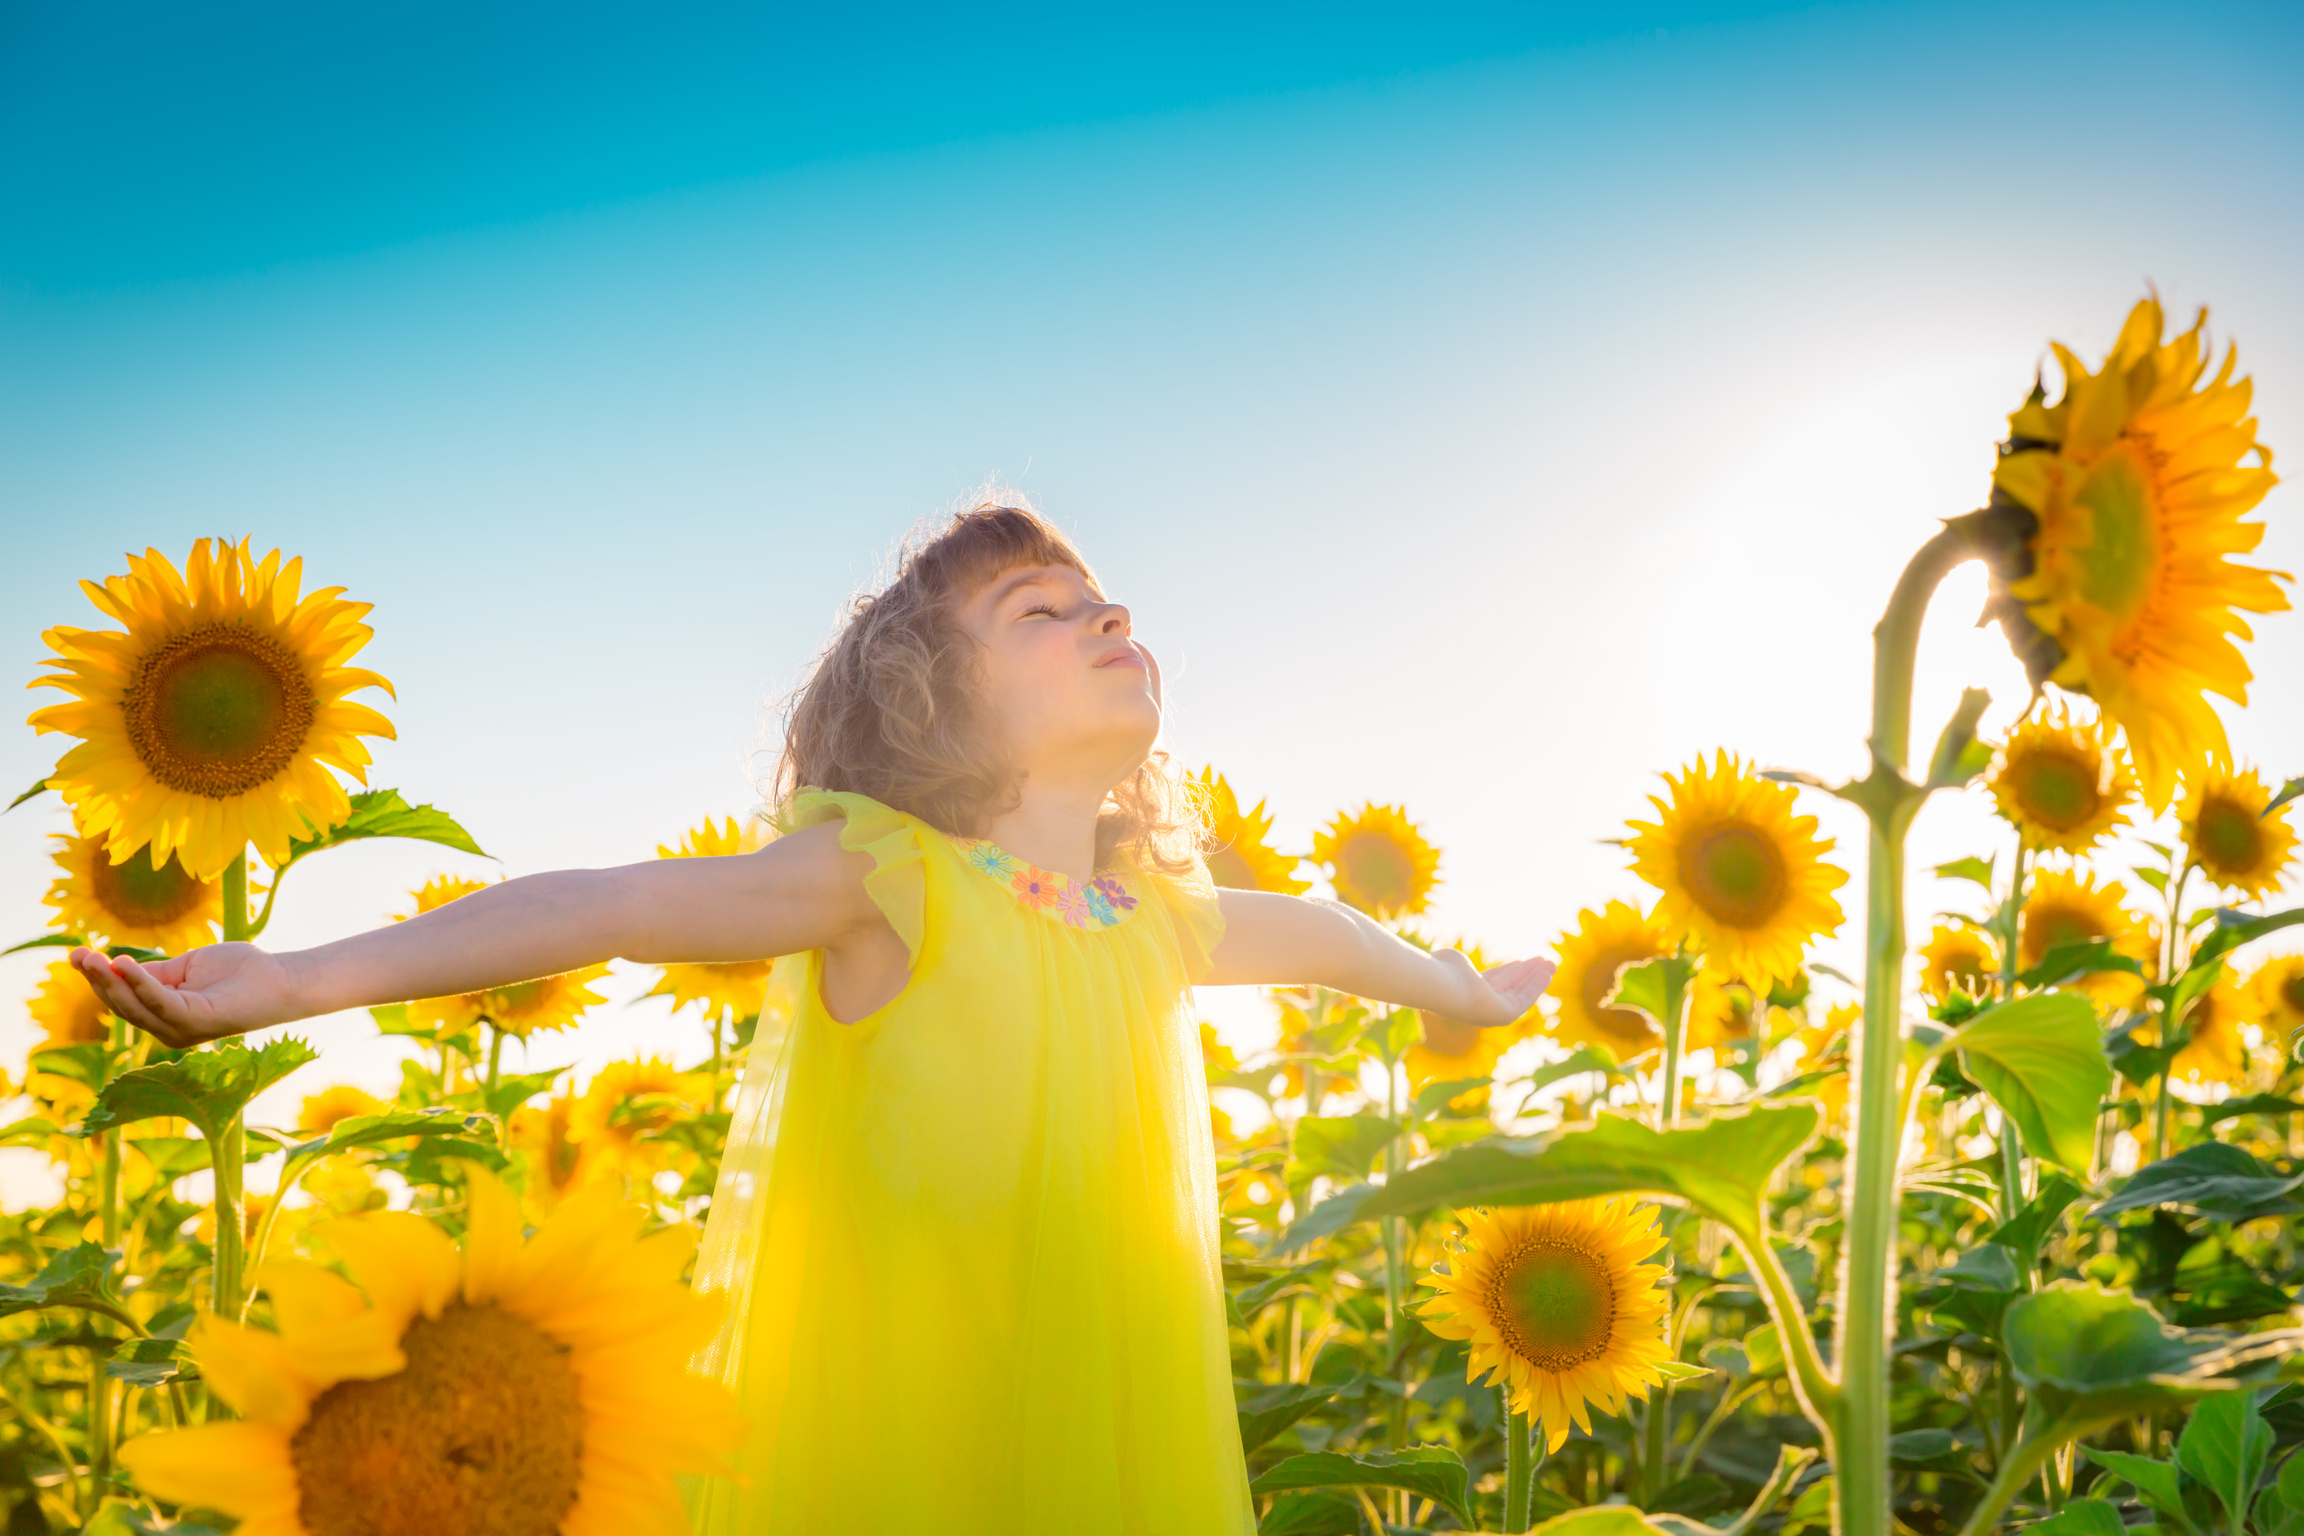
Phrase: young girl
{"type": "Point", "coordinates": [966, 1220]}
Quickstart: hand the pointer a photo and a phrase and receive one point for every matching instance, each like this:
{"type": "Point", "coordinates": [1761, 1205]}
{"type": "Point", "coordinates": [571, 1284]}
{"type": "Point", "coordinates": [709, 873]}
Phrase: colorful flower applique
{"type": "Point", "coordinates": [1104, 902]}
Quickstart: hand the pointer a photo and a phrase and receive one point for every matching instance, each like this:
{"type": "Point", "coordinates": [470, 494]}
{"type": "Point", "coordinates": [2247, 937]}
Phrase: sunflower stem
{"type": "Point", "coordinates": [496, 1057]}
{"type": "Point", "coordinates": [1519, 1468]}
{"type": "Point", "coordinates": [100, 1385]}
{"type": "Point", "coordinates": [229, 1154]}
{"type": "Point", "coordinates": [1862, 1491]}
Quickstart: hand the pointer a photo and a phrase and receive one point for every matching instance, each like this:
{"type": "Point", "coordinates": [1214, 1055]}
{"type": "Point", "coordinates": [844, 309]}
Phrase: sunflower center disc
{"type": "Point", "coordinates": [2057, 791]}
{"type": "Point", "coordinates": [218, 710]}
{"type": "Point", "coordinates": [1600, 980]}
{"type": "Point", "coordinates": [137, 894]}
{"type": "Point", "coordinates": [2229, 841]}
{"type": "Point", "coordinates": [2292, 991]}
{"type": "Point", "coordinates": [2046, 927]}
{"type": "Point", "coordinates": [1734, 872]}
{"type": "Point", "coordinates": [1379, 867]}
{"type": "Point", "coordinates": [1555, 1307]}
{"type": "Point", "coordinates": [480, 1436]}
{"type": "Point", "coordinates": [2120, 561]}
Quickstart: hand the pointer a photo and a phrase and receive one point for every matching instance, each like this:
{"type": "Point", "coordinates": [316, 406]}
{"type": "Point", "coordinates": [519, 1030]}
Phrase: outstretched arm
{"type": "Point", "coordinates": [1272, 940]}
{"type": "Point", "coordinates": [800, 892]}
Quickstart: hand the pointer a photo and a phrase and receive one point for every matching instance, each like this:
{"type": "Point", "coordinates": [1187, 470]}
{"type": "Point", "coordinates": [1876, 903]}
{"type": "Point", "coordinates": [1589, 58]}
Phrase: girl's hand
{"type": "Point", "coordinates": [219, 990]}
{"type": "Point", "coordinates": [1500, 994]}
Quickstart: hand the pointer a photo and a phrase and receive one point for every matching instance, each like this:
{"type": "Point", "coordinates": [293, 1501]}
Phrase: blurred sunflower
{"type": "Point", "coordinates": [515, 1387]}
{"type": "Point", "coordinates": [1557, 1307]}
{"type": "Point", "coordinates": [613, 1122]}
{"type": "Point", "coordinates": [2136, 484]}
{"type": "Point", "coordinates": [1604, 942]}
{"type": "Point", "coordinates": [1241, 855]}
{"type": "Point", "coordinates": [211, 721]}
{"type": "Point", "coordinates": [2061, 784]}
{"type": "Point", "coordinates": [545, 1138]}
{"type": "Point", "coordinates": [2070, 907]}
{"type": "Point", "coordinates": [67, 1010]}
{"type": "Point", "coordinates": [1721, 1011]}
{"type": "Point", "coordinates": [2229, 836]}
{"type": "Point", "coordinates": [1739, 872]}
{"type": "Point", "coordinates": [2217, 1051]}
{"type": "Point", "coordinates": [730, 991]}
{"type": "Point", "coordinates": [2276, 995]}
{"type": "Point", "coordinates": [521, 1009]}
{"type": "Point", "coordinates": [1958, 958]}
{"type": "Point", "coordinates": [331, 1107]}
{"type": "Point", "coordinates": [133, 901]}
{"type": "Point", "coordinates": [1378, 861]}
{"type": "Point", "coordinates": [1449, 1050]}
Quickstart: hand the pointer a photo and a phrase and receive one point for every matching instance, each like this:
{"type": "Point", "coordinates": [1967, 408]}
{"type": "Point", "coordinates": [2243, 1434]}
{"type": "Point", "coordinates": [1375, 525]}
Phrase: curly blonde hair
{"type": "Point", "coordinates": [893, 708]}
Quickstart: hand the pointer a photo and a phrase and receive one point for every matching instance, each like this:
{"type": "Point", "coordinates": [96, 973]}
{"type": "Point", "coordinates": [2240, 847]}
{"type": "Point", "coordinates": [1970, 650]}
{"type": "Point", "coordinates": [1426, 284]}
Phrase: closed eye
{"type": "Point", "coordinates": [1040, 608]}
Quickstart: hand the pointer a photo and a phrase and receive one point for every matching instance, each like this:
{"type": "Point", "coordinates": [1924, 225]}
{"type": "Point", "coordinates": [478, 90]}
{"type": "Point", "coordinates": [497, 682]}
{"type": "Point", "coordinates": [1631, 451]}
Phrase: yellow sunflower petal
{"type": "Point", "coordinates": [241, 1469]}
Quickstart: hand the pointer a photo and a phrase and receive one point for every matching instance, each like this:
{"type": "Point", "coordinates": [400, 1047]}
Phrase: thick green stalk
{"type": "Point", "coordinates": [1519, 1468]}
{"type": "Point", "coordinates": [1868, 1274]}
{"type": "Point", "coordinates": [229, 1154]}
{"type": "Point", "coordinates": [2015, 1471]}
{"type": "Point", "coordinates": [101, 1387]}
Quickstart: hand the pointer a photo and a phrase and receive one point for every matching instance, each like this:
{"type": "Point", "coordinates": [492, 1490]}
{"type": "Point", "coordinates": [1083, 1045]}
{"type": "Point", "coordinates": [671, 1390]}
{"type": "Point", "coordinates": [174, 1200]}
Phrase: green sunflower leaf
{"type": "Point", "coordinates": [2041, 1058]}
{"type": "Point", "coordinates": [383, 813]}
{"type": "Point", "coordinates": [1426, 1471]}
{"type": "Point", "coordinates": [1959, 756]}
{"type": "Point", "coordinates": [1719, 1165]}
{"type": "Point", "coordinates": [1976, 870]}
{"type": "Point", "coordinates": [2213, 1179]}
{"type": "Point", "coordinates": [205, 1087]}
{"type": "Point", "coordinates": [37, 786]}
{"type": "Point", "coordinates": [371, 1130]}
{"type": "Point", "coordinates": [79, 1277]}
{"type": "Point", "coordinates": [1268, 1410]}
{"type": "Point", "coordinates": [1337, 1147]}
{"type": "Point", "coordinates": [2091, 1357]}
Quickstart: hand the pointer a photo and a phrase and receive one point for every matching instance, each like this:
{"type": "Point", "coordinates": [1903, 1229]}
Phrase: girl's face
{"type": "Point", "coordinates": [1077, 699]}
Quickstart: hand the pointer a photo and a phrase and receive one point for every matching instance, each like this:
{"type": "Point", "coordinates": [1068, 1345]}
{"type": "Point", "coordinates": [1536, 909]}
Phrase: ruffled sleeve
{"type": "Point", "coordinates": [898, 883]}
{"type": "Point", "coordinates": [1193, 912]}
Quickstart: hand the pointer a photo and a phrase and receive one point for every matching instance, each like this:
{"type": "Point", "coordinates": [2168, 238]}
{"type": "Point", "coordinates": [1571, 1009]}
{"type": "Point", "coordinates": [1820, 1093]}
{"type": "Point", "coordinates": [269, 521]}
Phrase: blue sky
{"type": "Point", "coordinates": [1483, 407]}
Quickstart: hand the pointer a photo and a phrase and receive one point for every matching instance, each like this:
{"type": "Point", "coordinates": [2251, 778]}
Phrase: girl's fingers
{"type": "Point", "coordinates": [161, 1000]}
{"type": "Point", "coordinates": [116, 993]}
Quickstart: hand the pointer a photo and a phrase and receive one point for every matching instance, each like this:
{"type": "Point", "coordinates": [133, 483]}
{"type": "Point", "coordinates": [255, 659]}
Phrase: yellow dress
{"type": "Point", "coordinates": [969, 1241]}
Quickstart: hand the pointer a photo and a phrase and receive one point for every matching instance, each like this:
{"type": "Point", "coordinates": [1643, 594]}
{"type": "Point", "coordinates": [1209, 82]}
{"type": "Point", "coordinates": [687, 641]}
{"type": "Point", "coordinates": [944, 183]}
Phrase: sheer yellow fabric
{"type": "Point", "coordinates": [969, 1242]}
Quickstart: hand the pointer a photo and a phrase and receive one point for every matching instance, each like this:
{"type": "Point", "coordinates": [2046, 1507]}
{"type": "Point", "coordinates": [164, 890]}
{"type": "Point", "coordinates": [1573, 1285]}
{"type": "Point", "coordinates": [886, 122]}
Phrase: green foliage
{"type": "Point", "coordinates": [2041, 1058]}
{"type": "Point", "coordinates": [1427, 1472]}
{"type": "Point", "coordinates": [207, 1087]}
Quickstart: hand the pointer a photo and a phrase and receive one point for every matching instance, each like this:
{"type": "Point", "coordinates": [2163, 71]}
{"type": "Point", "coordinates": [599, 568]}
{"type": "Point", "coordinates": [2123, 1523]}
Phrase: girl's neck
{"type": "Point", "coordinates": [1052, 826]}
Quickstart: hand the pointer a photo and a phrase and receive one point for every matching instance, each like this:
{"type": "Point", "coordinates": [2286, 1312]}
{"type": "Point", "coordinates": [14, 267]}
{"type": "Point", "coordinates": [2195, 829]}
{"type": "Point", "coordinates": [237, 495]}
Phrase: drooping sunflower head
{"type": "Point", "coordinates": [1741, 875]}
{"type": "Point", "coordinates": [2061, 784]}
{"type": "Point", "coordinates": [1604, 942]}
{"type": "Point", "coordinates": [2067, 907]}
{"type": "Point", "coordinates": [67, 1010]}
{"type": "Point", "coordinates": [1557, 1306]}
{"type": "Point", "coordinates": [131, 902]}
{"type": "Point", "coordinates": [331, 1107]}
{"type": "Point", "coordinates": [2136, 482]}
{"type": "Point", "coordinates": [730, 991]}
{"type": "Point", "coordinates": [212, 719]}
{"type": "Point", "coordinates": [1958, 958]}
{"type": "Point", "coordinates": [2276, 995]}
{"type": "Point", "coordinates": [1241, 856]}
{"type": "Point", "coordinates": [2230, 837]}
{"type": "Point", "coordinates": [515, 1388]}
{"type": "Point", "coordinates": [1378, 861]}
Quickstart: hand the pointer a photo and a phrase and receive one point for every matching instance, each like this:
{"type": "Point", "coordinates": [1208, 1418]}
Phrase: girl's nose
{"type": "Point", "coordinates": [1113, 620]}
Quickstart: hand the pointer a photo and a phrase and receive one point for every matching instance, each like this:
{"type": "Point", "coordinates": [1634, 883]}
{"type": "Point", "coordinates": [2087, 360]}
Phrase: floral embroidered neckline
{"type": "Point", "coordinates": [1104, 902]}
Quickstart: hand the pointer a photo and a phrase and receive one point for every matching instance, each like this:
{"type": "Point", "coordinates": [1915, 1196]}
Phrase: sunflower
{"type": "Point", "coordinates": [131, 902]}
{"type": "Point", "coordinates": [1449, 1050]}
{"type": "Point", "coordinates": [2217, 1051]}
{"type": "Point", "coordinates": [557, 1165]}
{"type": "Point", "coordinates": [67, 1009]}
{"type": "Point", "coordinates": [2061, 784]}
{"type": "Point", "coordinates": [331, 1107]}
{"type": "Point", "coordinates": [520, 1009]}
{"type": "Point", "coordinates": [1557, 1307]}
{"type": "Point", "coordinates": [2136, 485]}
{"type": "Point", "coordinates": [730, 991]}
{"type": "Point", "coordinates": [2276, 995]}
{"type": "Point", "coordinates": [212, 720]}
{"type": "Point", "coordinates": [1740, 874]}
{"type": "Point", "coordinates": [2229, 836]}
{"type": "Point", "coordinates": [1378, 861]}
{"type": "Point", "coordinates": [1241, 855]}
{"type": "Point", "coordinates": [1958, 958]}
{"type": "Point", "coordinates": [2068, 907]}
{"type": "Point", "coordinates": [1721, 1011]}
{"type": "Point", "coordinates": [512, 1387]}
{"type": "Point", "coordinates": [1603, 944]}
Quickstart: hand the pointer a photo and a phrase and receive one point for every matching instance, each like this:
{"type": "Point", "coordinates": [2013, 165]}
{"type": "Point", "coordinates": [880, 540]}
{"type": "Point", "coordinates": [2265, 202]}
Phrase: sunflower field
{"type": "Point", "coordinates": [2004, 1233]}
